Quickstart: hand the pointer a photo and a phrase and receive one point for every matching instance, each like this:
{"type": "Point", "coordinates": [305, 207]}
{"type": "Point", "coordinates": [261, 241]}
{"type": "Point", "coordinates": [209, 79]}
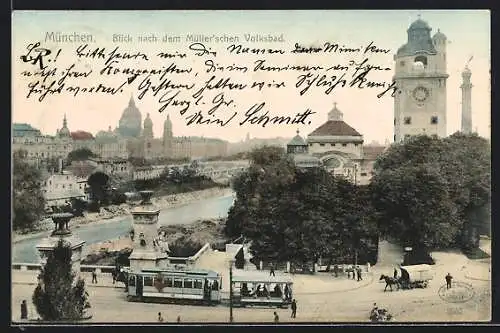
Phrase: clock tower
{"type": "Point", "coordinates": [420, 75]}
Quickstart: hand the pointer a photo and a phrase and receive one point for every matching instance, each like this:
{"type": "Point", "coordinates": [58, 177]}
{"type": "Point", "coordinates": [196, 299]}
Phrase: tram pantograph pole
{"type": "Point", "coordinates": [230, 291]}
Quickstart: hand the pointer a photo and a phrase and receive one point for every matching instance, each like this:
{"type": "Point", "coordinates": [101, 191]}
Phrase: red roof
{"type": "Point", "coordinates": [82, 135]}
{"type": "Point", "coordinates": [372, 152]}
{"type": "Point", "coordinates": [335, 128]}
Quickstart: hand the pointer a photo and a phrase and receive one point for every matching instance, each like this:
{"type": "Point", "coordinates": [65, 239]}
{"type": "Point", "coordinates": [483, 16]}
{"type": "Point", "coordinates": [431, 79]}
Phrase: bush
{"type": "Point", "coordinates": [184, 247]}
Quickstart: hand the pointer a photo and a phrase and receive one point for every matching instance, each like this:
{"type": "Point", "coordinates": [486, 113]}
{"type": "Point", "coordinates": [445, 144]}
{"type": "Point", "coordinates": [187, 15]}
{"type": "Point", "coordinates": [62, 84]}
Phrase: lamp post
{"type": "Point", "coordinates": [231, 290]}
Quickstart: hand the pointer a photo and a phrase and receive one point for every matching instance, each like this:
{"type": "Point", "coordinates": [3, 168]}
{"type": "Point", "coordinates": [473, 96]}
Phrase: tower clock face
{"type": "Point", "coordinates": [420, 94]}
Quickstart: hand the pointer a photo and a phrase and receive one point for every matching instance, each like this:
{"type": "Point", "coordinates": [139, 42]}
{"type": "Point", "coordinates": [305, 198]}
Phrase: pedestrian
{"type": "Point", "coordinates": [336, 270]}
{"type": "Point", "coordinates": [271, 272]}
{"type": "Point", "coordinates": [178, 318]}
{"type": "Point", "coordinates": [94, 276]}
{"type": "Point", "coordinates": [358, 270]}
{"type": "Point", "coordinates": [24, 310]}
{"type": "Point", "coordinates": [353, 272]}
{"type": "Point", "coordinates": [113, 273]}
{"type": "Point", "coordinates": [276, 317]}
{"type": "Point", "coordinates": [160, 318]}
{"type": "Point", "coordinates": [395, 273]}
{"type": "Point", "coordinates": [448, 279]}
{"type": "Point", "coordinates": [294, 309]}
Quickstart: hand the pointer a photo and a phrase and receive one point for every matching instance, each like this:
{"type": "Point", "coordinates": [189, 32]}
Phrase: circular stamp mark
{"type": "Point", "coordinates": [460, 292]}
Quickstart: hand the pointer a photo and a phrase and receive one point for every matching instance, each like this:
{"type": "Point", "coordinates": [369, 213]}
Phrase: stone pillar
{"type": "Point", "coordinates": [147, 252]}
{"type": "Point", "coordinates": [62, 231]}
{"type": "Point", "coordinates": [261, 265]}
{"type": "Point", "coordinates": [288, 267]}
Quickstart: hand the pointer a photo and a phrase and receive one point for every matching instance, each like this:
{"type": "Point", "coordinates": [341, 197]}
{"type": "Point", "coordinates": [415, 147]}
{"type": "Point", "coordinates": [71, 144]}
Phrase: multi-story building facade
{"type": "Point", "coordinates": [420, 76]}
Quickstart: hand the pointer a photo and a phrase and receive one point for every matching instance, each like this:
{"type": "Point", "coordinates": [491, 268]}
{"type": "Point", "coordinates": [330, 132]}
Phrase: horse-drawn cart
{"type": "Point", "coordinates": [415, 276]}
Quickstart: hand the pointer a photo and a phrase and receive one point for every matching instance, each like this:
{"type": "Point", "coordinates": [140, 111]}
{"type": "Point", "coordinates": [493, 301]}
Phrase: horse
{"type": "Point", "coordinates": [389, 281]}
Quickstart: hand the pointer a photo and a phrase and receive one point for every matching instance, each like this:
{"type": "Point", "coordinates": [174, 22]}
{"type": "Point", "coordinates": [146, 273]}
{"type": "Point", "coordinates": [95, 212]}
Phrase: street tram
{"type": "Point", "coordinates": [252, 288]}
{"type": "Point", "coordinates": [177, 286]}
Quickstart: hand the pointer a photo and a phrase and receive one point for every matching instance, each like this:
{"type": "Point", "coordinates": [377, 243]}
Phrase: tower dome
{"type": "Point", "coordinates": [64, 131]}
{"type": "Point", "coordinates": [419, 24]}
{"type": "Point", "coordinates": [148, 127]}
{"type": "Point", "coordinates": [439, 36]}
{"type": "Point", "coordinates": [130, 121]}
{"type": "Point", "coordinates": [297, 145]}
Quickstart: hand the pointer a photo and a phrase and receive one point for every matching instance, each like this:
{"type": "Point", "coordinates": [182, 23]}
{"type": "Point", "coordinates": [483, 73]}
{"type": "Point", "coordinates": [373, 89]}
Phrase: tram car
{"type": "Point", "coordinates": [177, 286]}
{"type": "Point", "coordinates": [252, 288]}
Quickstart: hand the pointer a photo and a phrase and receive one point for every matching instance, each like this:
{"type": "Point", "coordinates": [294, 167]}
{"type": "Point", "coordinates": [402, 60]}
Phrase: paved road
{"type": "Point", "coordinates": [335, 304]}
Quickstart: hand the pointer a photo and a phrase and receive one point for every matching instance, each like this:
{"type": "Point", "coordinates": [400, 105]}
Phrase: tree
{"type": "Point", "coordinates": [99, 187]}
{"type": "Point", "coordinates": [56, 297]}
{"type": "Point", "coordinates": [427, 189]}
{"type": "Point", "coordinates": [80, 154]}
{"type": "Point", "coordinates": [28, 199]}
{"type": "Point", "coordinates": [297, 214]}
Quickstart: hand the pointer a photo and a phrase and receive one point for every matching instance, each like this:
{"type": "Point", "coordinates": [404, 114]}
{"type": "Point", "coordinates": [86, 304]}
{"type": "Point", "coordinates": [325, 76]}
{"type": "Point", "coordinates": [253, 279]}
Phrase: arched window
{"type": "Point", "coordinates": [421, 59]}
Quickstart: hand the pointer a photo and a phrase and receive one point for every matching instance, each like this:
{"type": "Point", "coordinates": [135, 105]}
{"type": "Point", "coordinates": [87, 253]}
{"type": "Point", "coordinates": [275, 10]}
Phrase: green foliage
{"type": "Point", "coordinates": [176, 180]}
{"type": "Point", "coordinates": [184, 247]}
{"type": "Point", "coordinates": [298, 215]}
{"type": "Point", "coordinates": [430, 191]}
{"type": "Point", "coordinates": [56, 297]}
{"type": "Point", "coordinates": [28, 199]}
{"type": "Point", "coordinates": [80, 154]}
{"type": "Point", "coordinates": [99, 187]}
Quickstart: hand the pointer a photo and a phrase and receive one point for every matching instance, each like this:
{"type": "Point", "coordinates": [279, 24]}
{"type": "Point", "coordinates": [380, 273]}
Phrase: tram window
{"type": "Point", "coordinates": [131, 281]}
{"type": "Point", "coordinates": [148, 281]}
{"type": "Point", "coordinates": [177, 283]}
{"type": "Point", "coordinates": [168, 282]}
{"type": "Point", "coordinates": [215, 285]}
{"type": "Point", "coordinates": [188, 283]}
{"type": "Point", "coordinates": [198, 284]}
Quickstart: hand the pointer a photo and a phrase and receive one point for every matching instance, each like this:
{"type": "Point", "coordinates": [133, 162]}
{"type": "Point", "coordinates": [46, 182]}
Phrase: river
{"type": "Point", "coordinates": [25, 251]}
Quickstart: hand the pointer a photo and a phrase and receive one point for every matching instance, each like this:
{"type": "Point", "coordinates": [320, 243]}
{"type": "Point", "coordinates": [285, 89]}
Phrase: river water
{"type": "Point", "coordinates": [25, 251]}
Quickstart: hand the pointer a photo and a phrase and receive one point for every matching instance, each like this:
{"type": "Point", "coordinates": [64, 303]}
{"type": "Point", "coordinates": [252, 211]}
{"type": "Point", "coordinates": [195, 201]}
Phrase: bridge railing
{"type": "Point", "coordinates": [23, 266]}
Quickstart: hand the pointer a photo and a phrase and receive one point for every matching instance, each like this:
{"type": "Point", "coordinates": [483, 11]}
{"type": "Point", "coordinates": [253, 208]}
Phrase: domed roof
{"type": "Point", "coordinates": [64, 131]}
{"type": "Point", "coordinates": [419, 24]}
{"type": "Point", "coordinates": [439, 35]}
{"type": "Point", "coordinates": [148, 122]}
{"type": "Point", "coordinates": [130, 121]}
{"type": "Point", "coordinates": [297, 141]}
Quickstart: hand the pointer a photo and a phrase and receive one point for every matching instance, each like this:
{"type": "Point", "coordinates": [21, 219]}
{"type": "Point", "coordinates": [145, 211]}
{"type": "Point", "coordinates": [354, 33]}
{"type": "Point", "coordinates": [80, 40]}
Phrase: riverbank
{"type": "Point", "coordinates": [109, 213]}
{"type": "Point", "coordinates": [183, 240]}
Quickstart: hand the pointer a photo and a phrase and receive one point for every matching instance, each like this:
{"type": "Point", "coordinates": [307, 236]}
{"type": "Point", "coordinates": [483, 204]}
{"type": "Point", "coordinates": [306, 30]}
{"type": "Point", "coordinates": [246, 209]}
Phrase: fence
{"type": "Point", "coordinates": [109, 269]}
{"type": "Point", "coordinates": [83, 268]}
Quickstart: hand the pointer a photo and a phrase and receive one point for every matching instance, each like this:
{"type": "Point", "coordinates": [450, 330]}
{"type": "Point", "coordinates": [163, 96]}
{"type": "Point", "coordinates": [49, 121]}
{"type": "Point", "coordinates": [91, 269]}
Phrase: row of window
{"type": "Point", "coordinates": [334, 144]}
{"type": "Point", "coordinates": [407, 120]}
{"type": "Point", "coordinates": [175, 283]}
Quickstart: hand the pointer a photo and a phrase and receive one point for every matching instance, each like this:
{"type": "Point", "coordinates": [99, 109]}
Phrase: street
{"type": "Point", "coordinates": [321, 298]}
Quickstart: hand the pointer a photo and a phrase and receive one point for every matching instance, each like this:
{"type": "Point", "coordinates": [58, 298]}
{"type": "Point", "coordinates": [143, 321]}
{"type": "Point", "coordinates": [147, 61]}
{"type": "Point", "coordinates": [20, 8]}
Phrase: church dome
{"type": "Point", "coordinates": [130, 121]}
{"type": "Point", "coordinates": [439, 36]}
{"type": "Point", "coordinates": [419, 25]}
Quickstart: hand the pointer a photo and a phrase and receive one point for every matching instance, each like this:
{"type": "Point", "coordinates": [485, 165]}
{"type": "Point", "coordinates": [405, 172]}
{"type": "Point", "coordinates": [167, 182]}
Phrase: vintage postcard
{"type": "Point", "coordinates": [251, 167]}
